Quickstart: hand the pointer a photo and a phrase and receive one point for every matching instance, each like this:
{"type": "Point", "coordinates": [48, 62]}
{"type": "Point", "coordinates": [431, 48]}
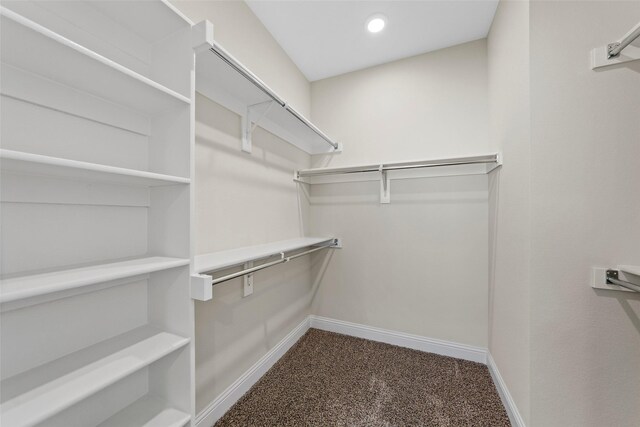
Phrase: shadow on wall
{"type": "Point", "coordinates": [243, 199]}
{"type": "Point", "coordinates": [231, 329]}
{"type": "Point", "coordinates": [319, 264]}
{"type": "Point", "coordinates": [270, 167]}
{"type": "Point", "coordinates": [264, 144]}
{"type": "Point", "coordinates": [219, 129]}
{"type": "Point", "coordinates": [623, 299]}
{"type": "Point", "coordinates": [279, 302]}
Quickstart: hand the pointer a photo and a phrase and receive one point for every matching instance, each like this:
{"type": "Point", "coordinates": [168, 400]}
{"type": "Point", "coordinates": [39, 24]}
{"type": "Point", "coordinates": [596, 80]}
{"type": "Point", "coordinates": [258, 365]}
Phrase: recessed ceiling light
{"type": "Point", "coordinates": [376, 23]}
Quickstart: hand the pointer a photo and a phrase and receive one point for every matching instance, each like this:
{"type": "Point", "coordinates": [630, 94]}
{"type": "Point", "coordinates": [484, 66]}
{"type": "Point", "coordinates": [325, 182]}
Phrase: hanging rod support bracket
{"type": "Point", "coordinates": [617, 52]}
{"type": "Point", "coordinates": [385, 183]}
{"type": "Point", "coordinates": [248, 280]}
{"type": "Point", "coordinates": [614, 279]}
{"type": "Point", "coordinates": [609, 279]}
{"type": "Point", "coordinates": [251, 119]}
{"type": "Point", "coordinates": [611, 49]}
{"type": "Point", "coordinates": [202, 36]}
{"type": "Point", "coordinates": [201, 288]}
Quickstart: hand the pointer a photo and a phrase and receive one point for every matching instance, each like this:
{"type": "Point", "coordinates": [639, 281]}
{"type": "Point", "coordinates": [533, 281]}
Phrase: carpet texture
{"type": "Point", "coordinates": [328, 379]}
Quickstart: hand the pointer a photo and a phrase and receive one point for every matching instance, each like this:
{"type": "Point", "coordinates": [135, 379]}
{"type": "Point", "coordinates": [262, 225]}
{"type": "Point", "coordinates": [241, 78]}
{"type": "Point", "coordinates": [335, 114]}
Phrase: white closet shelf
{"type": "Point", "coordinates": [385, 172]}
{"type": "Point", "coordinates": [23, 287]}
{"type": "Point", "coordinates": [38, 394]}
{"type": "Point", "coordinates": [31, 47]}
{"type": "Point", "coordinates": [225, 80]}
{"type": "Point", "coordinates": [152, 20]}
{"type": "Point", "coordinates": [229, 258]}
{"type": "Point", "coordinates": [36, 164]}
{"type": "Point", "coordinates": [469, 165]}
{"type": "Point", "coordinates": [148, 412]}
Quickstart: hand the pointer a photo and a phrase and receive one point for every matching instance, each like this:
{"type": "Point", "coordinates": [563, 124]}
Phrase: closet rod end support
{"type": "Point", "coordinates": [202, 36]}
{"type": "Point", "coordinates": [610, 50]}
{"type": "Point", "coordinates": [338, 149]}
{"type": "Point", "coordinates": [201, 287]}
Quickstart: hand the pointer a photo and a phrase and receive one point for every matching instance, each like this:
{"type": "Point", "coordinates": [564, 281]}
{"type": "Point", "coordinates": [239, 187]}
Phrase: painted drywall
{"type": "Point", "coordinates": [568, 353]}
{"type": "Point", "coordinates": [585, 187]}
{"type": "Point", "coordinates": [246, 199]}
{"type": "Point", "coordinates": [509, 199]}
{"type": "Point", "coordinates": [417, 265]}
{"type": "Point", "coordinates": [426, 106]}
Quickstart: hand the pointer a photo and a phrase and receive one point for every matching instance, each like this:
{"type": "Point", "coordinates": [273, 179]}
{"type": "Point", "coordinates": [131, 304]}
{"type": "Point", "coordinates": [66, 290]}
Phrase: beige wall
{"type": "Point", "coordinates": [585, 182]}
{"type": "Point", "coordinates": [244, 200]}
{"type": "Point", "coordinates": [425, 106]}
{"type": "Point", "coordinates": [570, 139]}
{"type": "Point", "coordinates": [419, 264]}
{"type": "Point", "coordinates": [509, 199]}
{"type": "Point", "coordinates": [549, 215]}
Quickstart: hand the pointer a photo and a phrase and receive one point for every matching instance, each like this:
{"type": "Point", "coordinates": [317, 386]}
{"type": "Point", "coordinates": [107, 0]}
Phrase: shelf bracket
{"type": "Point", "coordinates": [618, 52]}
{"type": "Point", "coordinates": [201, 287]}
{"type": "Point", "coordinates": [601, 278]}
{"type": "Point", "coordinates": [248, 280]}
{"type": "Point", "coordinates": [250, 120]}
{"type": "Point", "coordinates": [385, 190]}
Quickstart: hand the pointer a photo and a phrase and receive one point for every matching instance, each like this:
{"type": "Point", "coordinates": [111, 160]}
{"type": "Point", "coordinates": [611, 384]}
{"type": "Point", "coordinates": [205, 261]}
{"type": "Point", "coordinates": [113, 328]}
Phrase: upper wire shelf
{"type": "Point", "coordinates": [225, 80]}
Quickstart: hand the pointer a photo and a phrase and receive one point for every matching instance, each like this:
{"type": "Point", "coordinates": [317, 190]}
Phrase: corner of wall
{"type": "Point", "coordinates": [509, 203]}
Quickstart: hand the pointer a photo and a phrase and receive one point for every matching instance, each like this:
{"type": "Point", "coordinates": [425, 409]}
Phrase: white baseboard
{"type": "Point", "coordinates": [505, 396]}
{"type": "Point", "coordinates": [416, 342]}
{"type": "Point", "coordinates": [216, 409]}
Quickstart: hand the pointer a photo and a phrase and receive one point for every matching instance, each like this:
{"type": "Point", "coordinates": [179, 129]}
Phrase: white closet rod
{"type": "Point", "coordinates": [612, 278]}
{"type": "Point", "coordinates": [230, 60]}
{"type": "Point", "coordinates": [283, 259]}
{"type": "Point", "coordinates": [614, 49]}
{"type": "Point", "coordinates": [255, 80]}
{"type": "Point", "coordinates": [491, 158]}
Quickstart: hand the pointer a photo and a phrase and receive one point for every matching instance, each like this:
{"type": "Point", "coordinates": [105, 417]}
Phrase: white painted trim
{"type": "Point", "coordinates": [216, 409]}
{"type": "Point", "coordinates": [416, 342]}
{"type": "Point", "coordinates": [505, 396]}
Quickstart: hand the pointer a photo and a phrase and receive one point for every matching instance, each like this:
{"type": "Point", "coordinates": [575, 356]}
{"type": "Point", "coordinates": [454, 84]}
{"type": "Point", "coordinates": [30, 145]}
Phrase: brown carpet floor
{"type": "Point", "coordinates": [329, 379]}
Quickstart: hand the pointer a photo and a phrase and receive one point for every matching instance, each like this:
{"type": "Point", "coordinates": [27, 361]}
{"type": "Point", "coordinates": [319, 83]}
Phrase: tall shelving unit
{"type": "Point", "coordinates": [96, 162]}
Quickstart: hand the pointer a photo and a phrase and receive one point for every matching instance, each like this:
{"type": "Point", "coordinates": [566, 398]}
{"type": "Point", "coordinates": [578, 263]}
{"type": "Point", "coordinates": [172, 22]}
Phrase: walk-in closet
{"type": "Point", "coordinates": [319, 213]}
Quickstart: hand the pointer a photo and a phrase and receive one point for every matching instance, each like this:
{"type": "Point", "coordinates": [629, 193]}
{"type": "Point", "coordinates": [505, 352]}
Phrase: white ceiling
{"type": "Point", "coordinates": [327, 38]}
